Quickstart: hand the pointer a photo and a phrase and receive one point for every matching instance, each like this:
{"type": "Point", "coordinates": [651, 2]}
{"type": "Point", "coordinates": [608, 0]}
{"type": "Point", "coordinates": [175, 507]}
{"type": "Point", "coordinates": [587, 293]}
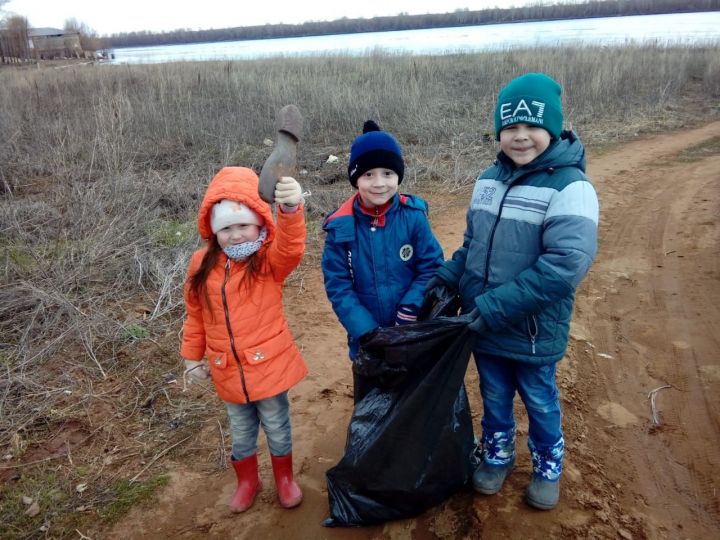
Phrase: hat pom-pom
{"type": "Point", "coordinates": [370, 125]}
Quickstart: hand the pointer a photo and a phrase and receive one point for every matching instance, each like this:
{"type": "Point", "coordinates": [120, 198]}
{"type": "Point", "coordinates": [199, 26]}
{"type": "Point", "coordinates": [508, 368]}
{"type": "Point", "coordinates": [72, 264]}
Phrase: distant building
{"type": "Point", "coordinates": [45, 43]}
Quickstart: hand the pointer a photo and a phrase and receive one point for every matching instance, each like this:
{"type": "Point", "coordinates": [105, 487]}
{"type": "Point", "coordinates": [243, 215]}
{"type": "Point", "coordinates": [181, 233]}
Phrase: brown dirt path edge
{"type": "Point", "coordinates": [647, 316]}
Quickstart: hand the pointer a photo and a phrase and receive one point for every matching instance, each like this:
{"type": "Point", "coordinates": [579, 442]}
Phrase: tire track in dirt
{"type": "Point", "coordinates": [654, 312]}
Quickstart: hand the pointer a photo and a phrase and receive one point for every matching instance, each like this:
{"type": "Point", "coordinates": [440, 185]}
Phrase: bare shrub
{"type": "Point", "coordinates": [711, 75]}
{"type": "Point", "coordinates": [102, 170]}
{"type": "Point", "coordinates": [95, 161]}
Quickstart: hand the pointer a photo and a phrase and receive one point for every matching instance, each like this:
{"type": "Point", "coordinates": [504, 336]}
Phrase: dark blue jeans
{"type": "Point", "coordinates": [500, 378]}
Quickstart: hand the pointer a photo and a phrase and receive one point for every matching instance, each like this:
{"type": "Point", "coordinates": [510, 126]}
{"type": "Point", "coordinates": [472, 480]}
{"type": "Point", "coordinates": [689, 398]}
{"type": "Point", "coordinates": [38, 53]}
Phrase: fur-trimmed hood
{"type": "Point", "coordinates": [237, 184]}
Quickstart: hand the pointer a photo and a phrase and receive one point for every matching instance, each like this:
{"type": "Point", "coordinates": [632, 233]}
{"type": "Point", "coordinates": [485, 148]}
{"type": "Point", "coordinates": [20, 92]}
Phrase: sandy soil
{"type": "Point", "coordinates": [647, 317]}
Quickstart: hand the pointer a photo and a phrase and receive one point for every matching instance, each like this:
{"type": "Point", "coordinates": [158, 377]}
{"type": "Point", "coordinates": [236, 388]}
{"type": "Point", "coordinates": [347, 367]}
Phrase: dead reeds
{"type": "Point", "coordinates": [101, 172]}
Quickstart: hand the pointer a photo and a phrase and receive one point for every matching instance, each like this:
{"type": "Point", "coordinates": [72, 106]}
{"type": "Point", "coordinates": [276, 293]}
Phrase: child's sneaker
{"type": "Point", "coordinates": [498, 460]}
{"type": "Point", "coordinates": [544, 489]}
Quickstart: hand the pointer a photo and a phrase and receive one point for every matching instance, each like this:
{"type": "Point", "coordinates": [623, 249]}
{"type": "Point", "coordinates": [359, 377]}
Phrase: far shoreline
{"type": "Point", "coordinates": [398, 23]}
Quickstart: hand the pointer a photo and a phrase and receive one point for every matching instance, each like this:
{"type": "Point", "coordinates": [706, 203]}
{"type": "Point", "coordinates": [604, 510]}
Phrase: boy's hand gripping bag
{"type": "Point", "coordinates": [410, 441]}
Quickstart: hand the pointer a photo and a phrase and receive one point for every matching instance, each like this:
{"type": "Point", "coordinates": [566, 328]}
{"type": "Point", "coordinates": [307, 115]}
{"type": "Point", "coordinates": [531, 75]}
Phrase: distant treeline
{"type": "Point", "coordinates": [561, 10]}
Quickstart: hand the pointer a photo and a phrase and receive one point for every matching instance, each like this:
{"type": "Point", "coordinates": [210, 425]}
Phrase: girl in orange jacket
{"type": "Point", "coordinates": [233, 299]}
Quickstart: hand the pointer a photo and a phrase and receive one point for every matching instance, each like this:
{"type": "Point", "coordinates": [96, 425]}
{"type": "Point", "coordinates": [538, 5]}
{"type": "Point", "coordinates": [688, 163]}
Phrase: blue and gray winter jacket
{"type": "Point", "coordinates": [371, 271]}
{"type": "Point", "coordinates": [531, 236]}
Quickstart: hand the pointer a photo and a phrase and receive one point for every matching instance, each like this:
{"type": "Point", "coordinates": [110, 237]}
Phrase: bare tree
{"type": "Point", "coordinates": [89, 40]}
{"type": "Point", "coordinates": [2, 27]}
{"type": "Point", "coordinates": [14, 39]}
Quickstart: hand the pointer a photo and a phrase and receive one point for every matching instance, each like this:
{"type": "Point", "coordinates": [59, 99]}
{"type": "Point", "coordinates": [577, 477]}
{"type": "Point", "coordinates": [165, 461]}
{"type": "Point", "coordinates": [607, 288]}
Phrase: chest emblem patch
{"type": "Point", "coordinates": [406, 252]}
{"type": "Point", "coordinates": [486, 196]}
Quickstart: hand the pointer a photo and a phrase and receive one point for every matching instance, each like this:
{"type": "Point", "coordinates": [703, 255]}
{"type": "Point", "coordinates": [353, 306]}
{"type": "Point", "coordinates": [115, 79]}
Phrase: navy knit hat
{"type": "Point", "coordinates": [533, 98]}
{"type": "Point", "coordinates": [374, 148]}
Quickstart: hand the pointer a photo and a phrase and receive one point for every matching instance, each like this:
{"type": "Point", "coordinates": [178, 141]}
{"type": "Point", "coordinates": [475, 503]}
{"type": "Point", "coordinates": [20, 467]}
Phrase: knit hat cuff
{"type": "Point", "coordinates": [226, 212]}
{"type": "Point", "coordinates": [549, 118]}
{"type": "Point", "coordinates": [374, 159]}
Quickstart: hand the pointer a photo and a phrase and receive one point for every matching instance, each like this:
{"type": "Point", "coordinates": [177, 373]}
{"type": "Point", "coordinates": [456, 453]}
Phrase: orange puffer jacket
{"type": "Point", "coordinates": [243, 331]}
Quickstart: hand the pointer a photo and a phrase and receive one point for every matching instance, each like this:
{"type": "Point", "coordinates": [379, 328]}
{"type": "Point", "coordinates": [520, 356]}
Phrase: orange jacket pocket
{"type": "Point", "coordinates": [272, 348]}
{"type": "Point", "coordinates": [226, 376]}
{"type": "Point", "coordinates": [217, 359]}
{"type": "Point", "coordinates": [221, 367]}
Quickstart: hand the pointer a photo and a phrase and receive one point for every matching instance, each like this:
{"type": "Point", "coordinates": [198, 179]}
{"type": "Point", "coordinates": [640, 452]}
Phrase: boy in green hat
{"type": "Point", "coordinates": [530, 239]}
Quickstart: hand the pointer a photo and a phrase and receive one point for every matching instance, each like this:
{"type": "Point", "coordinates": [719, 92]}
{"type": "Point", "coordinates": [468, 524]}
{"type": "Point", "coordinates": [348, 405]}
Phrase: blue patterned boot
{"type": "Point", "coordinates": [544, 489]}
{"type": "Point", "coordinates": [498, 460]}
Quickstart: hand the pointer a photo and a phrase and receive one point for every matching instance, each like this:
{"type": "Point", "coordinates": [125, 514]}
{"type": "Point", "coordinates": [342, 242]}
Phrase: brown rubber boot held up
{"type": "Point", "coordinates": [282, 161]}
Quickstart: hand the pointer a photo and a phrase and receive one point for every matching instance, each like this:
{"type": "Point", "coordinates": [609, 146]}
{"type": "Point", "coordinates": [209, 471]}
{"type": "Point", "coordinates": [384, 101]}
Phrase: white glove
{"type": "Point", "coordinates": [288, 192]}
{"type": "Point", "coordinates": [196, 371]}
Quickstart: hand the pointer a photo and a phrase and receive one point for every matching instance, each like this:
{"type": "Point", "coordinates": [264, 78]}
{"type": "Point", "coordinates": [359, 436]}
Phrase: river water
{"type": "Point", "coordinates": [684, 28]}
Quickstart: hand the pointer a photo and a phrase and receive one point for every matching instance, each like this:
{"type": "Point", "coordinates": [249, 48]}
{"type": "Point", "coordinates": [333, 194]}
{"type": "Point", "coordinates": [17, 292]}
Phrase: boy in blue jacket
{"type": "Point", "coordinates": [531, 236]}
{"type": "Point", "coordinates": [379, 251]}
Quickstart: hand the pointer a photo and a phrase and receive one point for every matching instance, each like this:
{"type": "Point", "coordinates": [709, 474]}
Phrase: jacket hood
{"type": "Point", "coordinates": [238, 184]}
{"type": "Point", "coordinates": [567, 151]}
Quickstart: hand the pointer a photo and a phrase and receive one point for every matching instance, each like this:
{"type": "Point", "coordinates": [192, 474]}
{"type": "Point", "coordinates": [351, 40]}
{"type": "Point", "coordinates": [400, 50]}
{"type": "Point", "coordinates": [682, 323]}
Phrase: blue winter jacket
{"type": "Point", "coordinates": [531, 236]}
{"type": "Point", "coordinates": [371, 271]}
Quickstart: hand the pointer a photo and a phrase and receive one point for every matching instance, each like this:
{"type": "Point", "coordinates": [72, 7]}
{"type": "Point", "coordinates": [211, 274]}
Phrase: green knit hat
{"type": "Point", "coordinates": [533, 98]}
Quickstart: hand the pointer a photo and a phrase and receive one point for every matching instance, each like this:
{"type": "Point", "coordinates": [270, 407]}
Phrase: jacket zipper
{"type": "Point", "coordinates": [375, 220]}
{"type": "Point", "coordinates": [492, 239]}
{"type": "Point", "coordinates": [494, 227]}
{"type": "Point", "coordinates": [532, 332]}
{"type": "Point", "coordinates": [373, 228]}
{"type": "Point", "coordinates": [230, 332]}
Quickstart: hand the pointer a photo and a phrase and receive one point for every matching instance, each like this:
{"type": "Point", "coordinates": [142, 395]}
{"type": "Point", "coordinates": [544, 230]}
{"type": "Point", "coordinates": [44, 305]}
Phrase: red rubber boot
{"type": "Point", "coordinates": [288, 491]}
{"type": "Point", "coordinates": [248, 485]}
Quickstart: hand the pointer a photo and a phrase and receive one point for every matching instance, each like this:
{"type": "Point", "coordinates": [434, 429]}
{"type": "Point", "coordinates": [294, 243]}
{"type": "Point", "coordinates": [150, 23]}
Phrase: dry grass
{"type": "Point", "coordinates": [101, 172]}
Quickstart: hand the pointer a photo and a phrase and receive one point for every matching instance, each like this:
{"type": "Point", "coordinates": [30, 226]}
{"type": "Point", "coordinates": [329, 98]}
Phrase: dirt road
{"type": "Point", "coordinates": [647, 317]}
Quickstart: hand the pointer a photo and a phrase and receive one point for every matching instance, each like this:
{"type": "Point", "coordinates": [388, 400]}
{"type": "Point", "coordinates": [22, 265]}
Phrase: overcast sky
{"type": "Point", "coordinates": [157, 15]}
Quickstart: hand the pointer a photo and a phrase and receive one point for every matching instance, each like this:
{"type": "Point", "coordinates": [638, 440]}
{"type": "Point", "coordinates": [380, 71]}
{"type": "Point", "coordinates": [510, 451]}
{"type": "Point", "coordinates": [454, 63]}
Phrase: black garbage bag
{"type": "Point", "coordinates": [410, 442]}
